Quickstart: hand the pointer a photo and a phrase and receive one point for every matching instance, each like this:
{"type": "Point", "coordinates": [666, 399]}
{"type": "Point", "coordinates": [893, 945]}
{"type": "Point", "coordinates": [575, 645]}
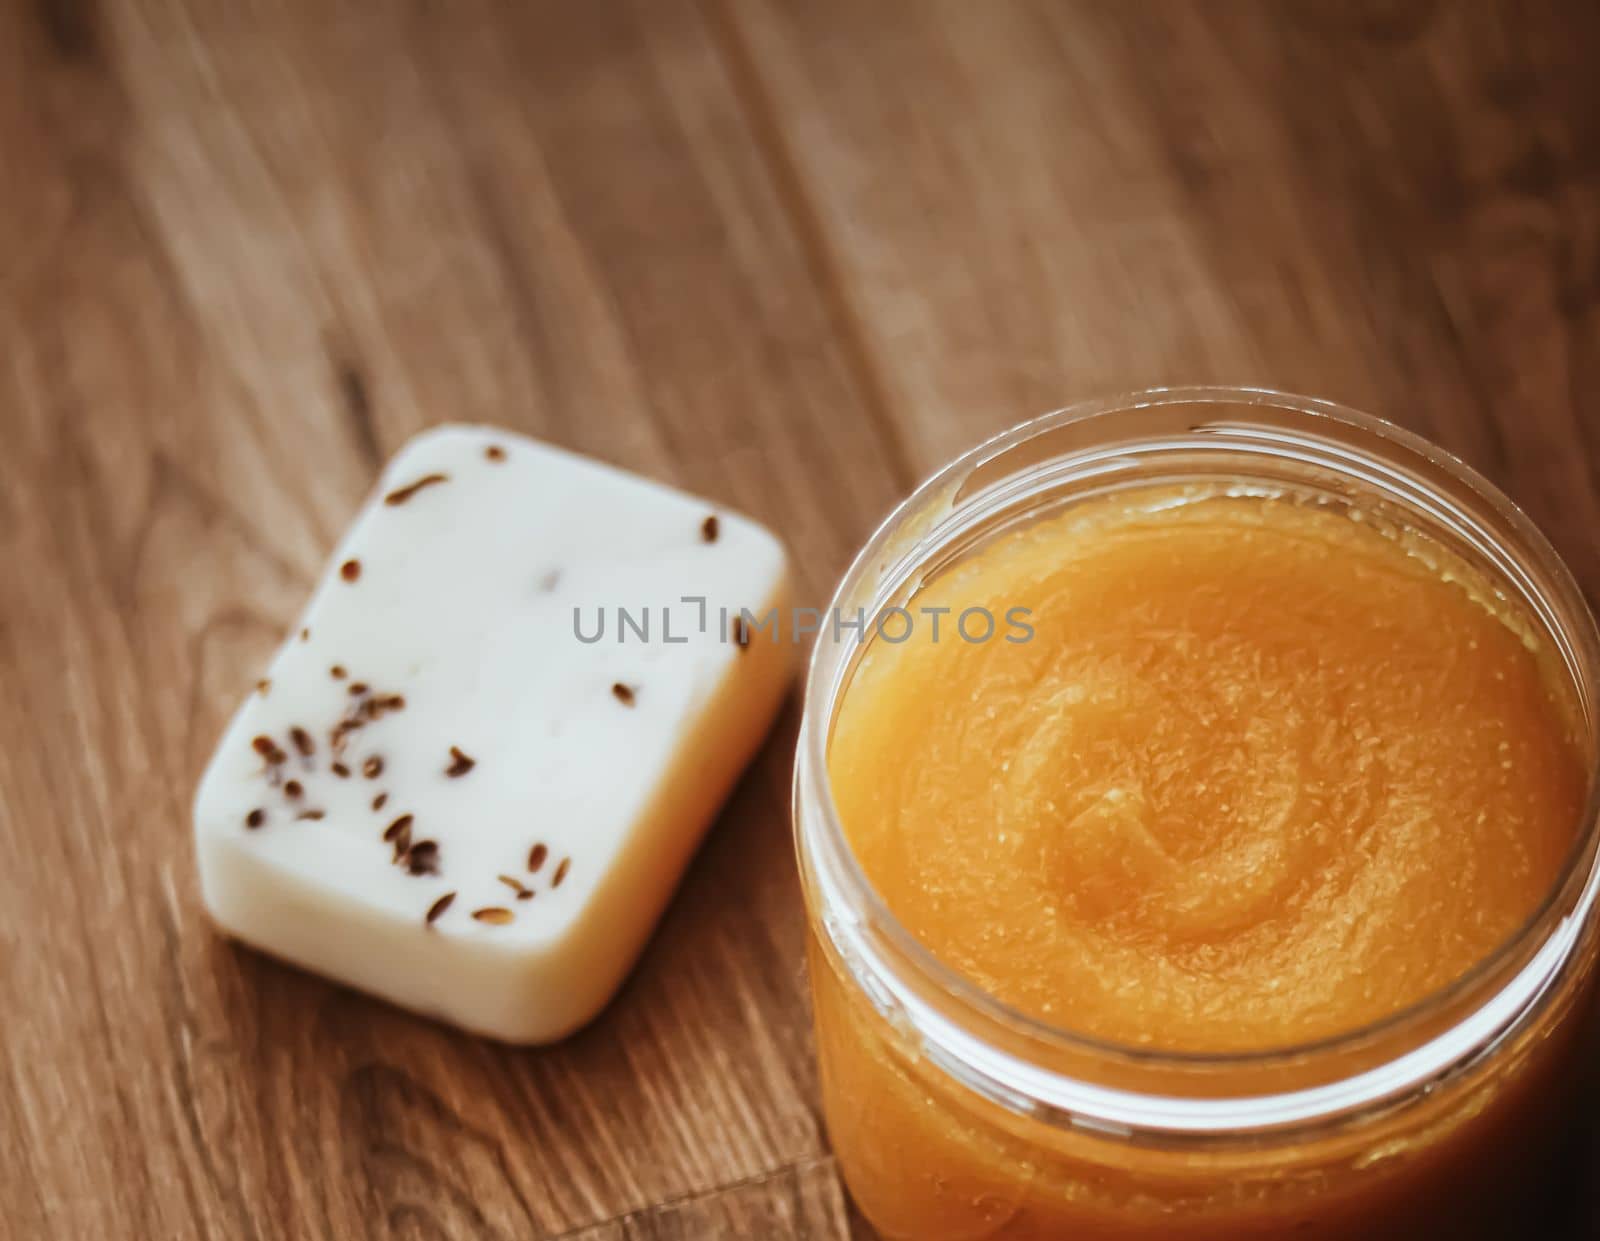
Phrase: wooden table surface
{"type": "Point", "coordinates": [789, 255]}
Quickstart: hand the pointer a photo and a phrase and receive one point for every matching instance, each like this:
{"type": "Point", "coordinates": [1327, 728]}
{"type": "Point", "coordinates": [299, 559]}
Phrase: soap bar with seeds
{"type": "Point", "coordinates": [477, 767]}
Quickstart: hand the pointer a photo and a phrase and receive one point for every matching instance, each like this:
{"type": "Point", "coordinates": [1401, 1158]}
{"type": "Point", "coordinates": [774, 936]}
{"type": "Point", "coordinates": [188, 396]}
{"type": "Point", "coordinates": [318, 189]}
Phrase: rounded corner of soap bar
{"type": "Point", "coordinates": [540, 1029]}
{"type": "Point", "coordinates": [783, 565]}
{"type": "Point", "coordinates": [446, 433]}
{"type": "Point", "coordinates": [448, 445]}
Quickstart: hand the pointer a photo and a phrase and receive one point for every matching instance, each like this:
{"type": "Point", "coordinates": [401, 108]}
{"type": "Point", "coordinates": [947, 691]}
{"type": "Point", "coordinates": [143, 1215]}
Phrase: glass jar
{"type": "Point", "coordinates": [954, 1117]}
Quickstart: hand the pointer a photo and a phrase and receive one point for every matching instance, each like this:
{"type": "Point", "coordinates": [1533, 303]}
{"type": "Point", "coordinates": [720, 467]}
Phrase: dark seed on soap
{"type": "Point", "coordinates": [493, 914]}
{"type": "Point", "coordinates": [710, 528]}
{"type": "Point", "coordinates": [305, 635]}
{"type": "Point", "coordinates": [623, 694]}
{"type": "Point", "coordinates": [293, 789]}
{"type": "Point", "coordinates": [255, 818]}
{"type": "Point", "coordinates": [263, 685]}
{"type": "Point", "coordinates": [516, 885]}
{"type": "Point", "coordinates": [436, 910]}
{"type": "Point", "coordinates": [402, 824]}
{"type": "Point", "coordinates": [337, 672]}
{"type": "Point", "coordinates": [302, 741]}
{"type": "Point", "coordinates": [350, 570]}
{"type": "Point", "coordinates": [340, 770]}
{"type": "Point", "coordinates": [423, 857]}
{"type": "Point", "coordinates": [372, 768]}
{"type": "Point", "coordinates": [495, 453]}
{"type": "Point", "coordinates": [402, 494]}
{"type": "Point", "coordinates": [460, 763]}
{"type": "Point", "coordinates": [377, 802]}
{"type": "Point", "coordinates": [561, 872]}
{"type": "Point", "coordinates": [309, 814]}
{"type": "Point", "coordinates": [357, 688]}
{"type": "Point", "coordinates": [264, 746]}
{"type": "Point", "coordinates": [536, 857]}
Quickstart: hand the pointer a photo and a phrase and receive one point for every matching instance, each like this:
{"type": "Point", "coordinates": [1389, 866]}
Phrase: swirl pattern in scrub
{"type": "Point", "coordinates": [1265, 772]}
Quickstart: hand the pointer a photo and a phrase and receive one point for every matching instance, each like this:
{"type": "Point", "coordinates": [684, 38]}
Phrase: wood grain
{"type": "Point", "coordinates": [791, 256]}
{"type": "Point", "coordinates": [804, 1201]}
{"type": "Point", "coordinates": [1395, 205]}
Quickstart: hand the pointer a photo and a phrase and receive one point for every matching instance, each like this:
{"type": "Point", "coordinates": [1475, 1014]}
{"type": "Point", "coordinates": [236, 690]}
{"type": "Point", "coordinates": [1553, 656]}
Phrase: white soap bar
{"type": "Point", "coordinates": [446, 791]}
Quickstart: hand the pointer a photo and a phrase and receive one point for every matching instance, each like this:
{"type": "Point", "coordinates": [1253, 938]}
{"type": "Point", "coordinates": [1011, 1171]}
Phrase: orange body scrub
{"type": "Point", "coordinates": [1263, 773]}
{"type": "Point", "coordinates": [1200, 842]}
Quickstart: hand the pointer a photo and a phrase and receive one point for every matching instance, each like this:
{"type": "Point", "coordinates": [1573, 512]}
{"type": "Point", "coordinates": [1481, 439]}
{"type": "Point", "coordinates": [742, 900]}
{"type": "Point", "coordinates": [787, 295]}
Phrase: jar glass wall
{"type": "Point", "coordinates": [954, 1116]}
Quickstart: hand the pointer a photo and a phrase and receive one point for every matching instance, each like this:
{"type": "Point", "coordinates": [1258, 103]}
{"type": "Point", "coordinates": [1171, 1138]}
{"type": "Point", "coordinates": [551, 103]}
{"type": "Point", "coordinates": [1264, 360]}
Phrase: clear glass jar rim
{"type": "Point", "coordinates": [1556, 926]}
